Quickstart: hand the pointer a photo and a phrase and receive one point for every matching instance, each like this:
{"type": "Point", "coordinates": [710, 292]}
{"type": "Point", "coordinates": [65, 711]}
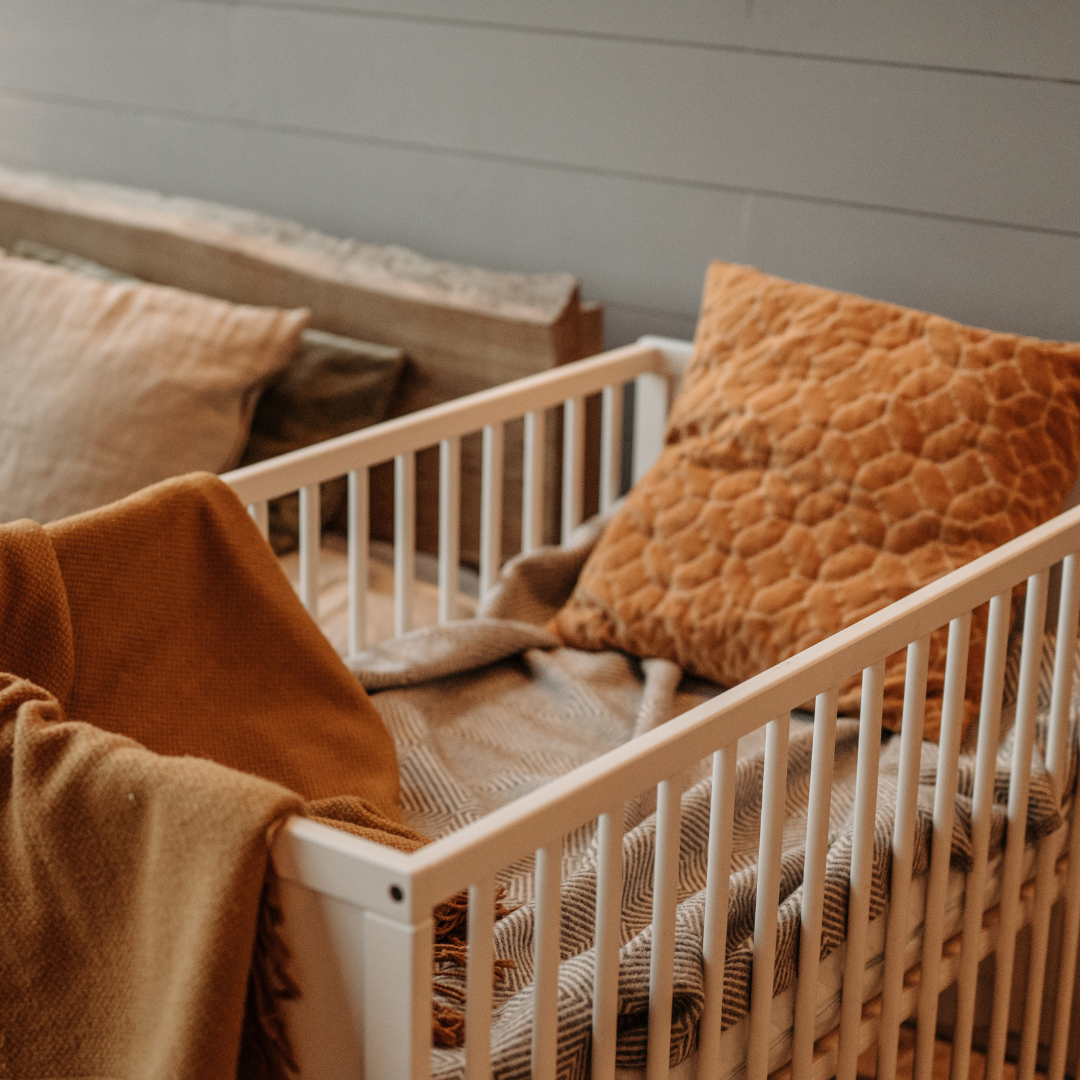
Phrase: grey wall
{"type": "Point", "coordinates": [923, 152]}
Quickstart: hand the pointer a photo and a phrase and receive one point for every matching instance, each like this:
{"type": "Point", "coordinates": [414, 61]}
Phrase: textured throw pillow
{"type": "Point", "coordinates": [109, 387]}
{"type": "Point", "coordinates": [332, 386]}
{"type": "Point", "coordinates": [826, 455]}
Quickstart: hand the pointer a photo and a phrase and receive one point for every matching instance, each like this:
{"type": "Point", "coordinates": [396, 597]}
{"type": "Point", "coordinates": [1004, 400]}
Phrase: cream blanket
{"type": "Point", "coordinates": [485, 711]}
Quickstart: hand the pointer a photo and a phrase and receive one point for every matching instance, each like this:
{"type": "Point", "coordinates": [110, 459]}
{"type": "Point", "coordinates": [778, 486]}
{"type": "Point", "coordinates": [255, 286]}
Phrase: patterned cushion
{"type": "Point", "coordinates": [827, 455]}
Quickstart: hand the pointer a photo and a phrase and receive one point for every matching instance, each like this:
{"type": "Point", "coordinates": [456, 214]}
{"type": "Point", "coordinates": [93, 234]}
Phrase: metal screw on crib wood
{"type": "Point", "coordinates": [397, 893]}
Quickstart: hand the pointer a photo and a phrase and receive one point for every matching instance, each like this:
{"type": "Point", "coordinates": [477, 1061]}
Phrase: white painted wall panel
{"type": "Point", "coordinates": [1014, 36]}
{"type": "Point", "coordinates": [644, 244]}
{"type": "Point", "coordinates": [1007, 36]}
{"type": "Point", "coordinates": [985, 275]}
{"type": "Point", "coordinates": [921, 152]}
{"type": "Point", "coordinates": [156, 54]}
{"type": "Point", "coordinates": [957, 144]}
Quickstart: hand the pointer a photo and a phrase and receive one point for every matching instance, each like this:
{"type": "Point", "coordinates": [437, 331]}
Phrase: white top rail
{"type": "Point", "coordinates": [370, 446]}
{"type": "Point", "coordinates": [441, 869]}
{"type": "Point", "coordinates": [677, 354]}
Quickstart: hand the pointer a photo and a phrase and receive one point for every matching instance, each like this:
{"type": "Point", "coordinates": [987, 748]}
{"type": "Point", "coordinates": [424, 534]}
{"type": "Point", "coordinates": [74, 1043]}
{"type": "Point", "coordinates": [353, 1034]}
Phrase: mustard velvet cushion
{"type": "Point", "coordinates": [826, 455]}
{"type": "Point", "coordinates": [109, 387]}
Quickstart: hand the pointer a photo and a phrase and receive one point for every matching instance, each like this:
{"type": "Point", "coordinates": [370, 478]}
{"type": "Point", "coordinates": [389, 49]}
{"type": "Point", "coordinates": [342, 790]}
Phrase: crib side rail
{"type": "Point", "coordinates": [650, 365]}
{"type": "Point", "coordinates": [399, 891]}
{"type": "Point", "coordinates": [449, 864]}
{"type": "Point", "coordinates": [428, 427]}
{"type": "Point", "coordinates": [375, 905]}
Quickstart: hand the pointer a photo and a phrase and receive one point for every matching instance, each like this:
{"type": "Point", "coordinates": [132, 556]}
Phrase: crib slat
{"type": "Point", "coordinates": [532, 495]}
{"type": "Point", "coordinates": [813, 903]}
{"type": "Point", "coordinates": [449, 526]}
{"type": "Point", "coordinates": [665, 897]}
{"type": "Point", "coordinates": [260, 514]}
{"type": "Point", "coordinates": [546, 963]}
{"type": "Point", "coordinates": [1070, 942]}
{"type": "Point", "coordinates": [478, 980]}
{"type": "Point", "coordinates": [358, 528]}
{"type": "Point", "coordinates": [1019, 789]}
{"type": "Point", "coordinates": [1064, 653]}
{"type": "Point", "coordinates": [650, 416]}
{"type": "Point", "coordinates": [1040, 933]}
{"type": "Point", "coordinates": [952, 720]}
{"type": "Point", "coordinates": [491, 507]}
{"type": "Point", "coordinates": [993, 683]}
{"type": "Point", "coordinates": [862, 865]}
{"type": "Point", "coordinates": [310, 528]}
{"type": "Point", "coordinates": [573, 465]}
{"type": "Point", "coordinates": [1070, 938]}
{"type": "Point", "coordinates": [404, 540]}
{"type": "Point", "coordinates": [718, 874]}
{"type": "Point", "coordinates": [611, 400]}
{"type": "Point", "coordinates": [1055, 766]}
{"type": "Point", "coordinates": [608, 913]}
{"type": "Point", "coordinates": [903, 854]}
{"type": "Point", "coordinates": [770, 848]}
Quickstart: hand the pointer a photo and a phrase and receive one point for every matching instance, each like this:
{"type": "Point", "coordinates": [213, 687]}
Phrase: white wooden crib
{"type": "Point", "coordinates": [358, 917]}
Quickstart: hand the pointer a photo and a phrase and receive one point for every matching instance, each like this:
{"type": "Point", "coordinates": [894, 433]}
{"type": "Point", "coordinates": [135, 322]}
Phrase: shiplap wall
{"type": "Point", "coordinates": [922, 151]}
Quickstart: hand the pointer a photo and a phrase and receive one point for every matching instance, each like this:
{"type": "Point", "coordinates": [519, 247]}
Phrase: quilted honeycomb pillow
{"type": "Point", "coordinates": [826, 455]}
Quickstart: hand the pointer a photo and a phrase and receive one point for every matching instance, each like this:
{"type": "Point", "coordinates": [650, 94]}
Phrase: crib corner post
{"type": "Point", "coordinates": [397, 998]}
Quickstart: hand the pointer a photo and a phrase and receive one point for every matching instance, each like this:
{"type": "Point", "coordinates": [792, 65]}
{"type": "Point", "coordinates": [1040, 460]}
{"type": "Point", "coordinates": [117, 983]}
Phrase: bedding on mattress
{"type": "Point", "coordinates": [484, 711]}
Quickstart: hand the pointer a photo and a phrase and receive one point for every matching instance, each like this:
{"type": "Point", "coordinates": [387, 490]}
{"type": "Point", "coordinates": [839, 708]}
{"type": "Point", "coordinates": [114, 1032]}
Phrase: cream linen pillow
{"type": "Point", "coordinates": [111, 387]}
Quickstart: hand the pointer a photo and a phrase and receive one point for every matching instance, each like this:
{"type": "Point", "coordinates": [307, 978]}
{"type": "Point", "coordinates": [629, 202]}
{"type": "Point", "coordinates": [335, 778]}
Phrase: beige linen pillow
{"type": "Point", "coordinates": [109, 387]}
{"type": "Point", "coordinates": [331, 386]}
{"type": "Point", "coordinates": [826, 455]}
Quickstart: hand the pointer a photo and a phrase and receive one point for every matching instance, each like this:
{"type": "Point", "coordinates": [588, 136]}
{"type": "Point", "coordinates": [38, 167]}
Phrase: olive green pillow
{"type": "Point", "coordinates": [334, 385]}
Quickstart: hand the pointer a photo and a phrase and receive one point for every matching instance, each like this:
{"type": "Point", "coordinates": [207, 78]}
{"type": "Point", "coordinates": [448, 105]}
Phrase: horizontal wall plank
{"type": "Point", "coordinates": [1038, 40]}
{"type": "Point", "coordinates": [989, 149]}
{"type": "Point", "coordinates": [624, 323]}
{"type": "Point", "coordinates": [1005, 279]}
{"type": "Point", "coordinates": [636, 243]}
{"type": "Point", "coordinates": [621, 236]}
{"type": "Point", "coordinates": [163, 55]}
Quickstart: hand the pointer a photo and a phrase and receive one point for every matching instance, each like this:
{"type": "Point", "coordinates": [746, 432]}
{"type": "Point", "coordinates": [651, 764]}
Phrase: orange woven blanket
{"type": "Point", "coordinates": [147, 645]}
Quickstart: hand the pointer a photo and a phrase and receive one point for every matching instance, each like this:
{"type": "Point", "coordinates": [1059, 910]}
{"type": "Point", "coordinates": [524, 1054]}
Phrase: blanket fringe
{"type": "Point", "coordinates": [265, 1050]}
{"type": "Point", "coordinates": [451, 949]}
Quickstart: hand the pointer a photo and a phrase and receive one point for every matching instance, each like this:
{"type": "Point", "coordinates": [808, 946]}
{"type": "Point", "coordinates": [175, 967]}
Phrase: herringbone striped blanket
{"type": "Point", "coordinates": [486, 710]}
